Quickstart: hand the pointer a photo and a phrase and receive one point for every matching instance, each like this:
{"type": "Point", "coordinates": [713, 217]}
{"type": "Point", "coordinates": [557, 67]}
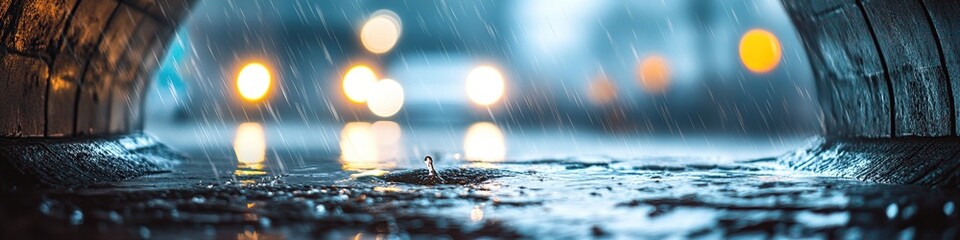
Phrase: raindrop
{"type": "Point", "coordinates": [320, 209]}
{"type": "Point", "coordinates": [144, 232]}
{"type": "Point", "coordinates": [892, 210]}
{"type": "Point", "coordinates": [476, 214]}
{"type": "Point", "coordinates": [907, 233]}
{"type": "Point", "coordinates": [265, 222]}
{"type": "Point", "coordinates": [45, 207]}
{"type": "Point", "coordinates": [909, 211]}
{"type": "Point", "coordinates": [114, 217]}
{"type": "Point", "coordinates": [76, 218]}
{"type": "Point", "coordinates": [948, 208]}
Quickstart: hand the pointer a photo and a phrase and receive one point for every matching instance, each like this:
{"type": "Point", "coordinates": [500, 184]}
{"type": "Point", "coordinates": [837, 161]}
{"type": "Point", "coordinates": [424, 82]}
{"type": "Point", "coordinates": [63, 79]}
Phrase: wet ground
{"type": "Point", "coordinates": [324, 183]}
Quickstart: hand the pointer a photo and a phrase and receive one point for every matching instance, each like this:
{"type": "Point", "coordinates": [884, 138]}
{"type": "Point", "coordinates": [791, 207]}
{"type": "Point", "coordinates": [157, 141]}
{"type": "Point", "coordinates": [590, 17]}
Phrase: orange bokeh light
{"type": "Point", "coordinates": [654, 74]}
{"type": "Point", "coordinates": [602, 91]}
{"type": "Point", "coordinates": [760, 51]}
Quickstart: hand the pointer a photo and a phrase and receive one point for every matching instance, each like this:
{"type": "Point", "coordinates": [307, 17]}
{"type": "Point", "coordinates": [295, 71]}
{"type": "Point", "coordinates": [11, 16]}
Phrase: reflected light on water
{"type": "Point", "coordinates": [250, 143]}
{"type": "Point", "coordinates": [250, 146]}
{"type": "Point", "coordinates": [484, 142]}
{"type": "Point", "coordinates": [760, 51]}
{"type": "Point", "coordinates": [476, 214]}
{"type": "Point", "coordinates": [485, 85]}
{"type": "Point", "coordinates": [386, 98]}
{"type": "Point", "coordinates": [357, 83]}
{"type": "Point", "coordinates": [248, 235]}
{"type": "Point", "coordinates": [654, 74]}
{"type": "Point", "coordinates": [387, 132]}
{"type": "Point", "coordinates": [357, 144]}
{"type": "Point", "coordinates": [381, 31]}
{"type": "Point", "coordinates": [253, 81]}
{"type": "Point", "coordinates": [387, 189]}
{"type": "Point", "coordinates": [363, 145]}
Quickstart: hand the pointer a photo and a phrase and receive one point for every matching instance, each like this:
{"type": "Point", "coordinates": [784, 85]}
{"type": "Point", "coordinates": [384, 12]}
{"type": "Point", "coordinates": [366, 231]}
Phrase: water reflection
{"type": "Point", "coordinates": [365, 146]}
{"type": "Point", "coordinates": [248, 234]}
{"type": "Point", "coordinates": [484, 142]}
{"type": "Point", "coordinates": [476, 214]}
{"type": "Point", "coordinates": [250, 145]}
{"type": "Point", "coordinates": [387, 132]}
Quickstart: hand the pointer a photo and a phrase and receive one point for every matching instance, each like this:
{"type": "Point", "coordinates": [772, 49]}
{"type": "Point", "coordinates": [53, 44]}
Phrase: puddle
{"type": "Point", "coordinates": [602, 197]}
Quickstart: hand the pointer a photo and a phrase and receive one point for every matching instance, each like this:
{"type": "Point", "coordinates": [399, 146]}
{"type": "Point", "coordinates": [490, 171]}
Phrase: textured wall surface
{"type": "Point", "coordinates": [887, 72]}
{"type": "Point", "coordinates": [884, 68]}
{"type": "Point", "coordinates": [79, 67]}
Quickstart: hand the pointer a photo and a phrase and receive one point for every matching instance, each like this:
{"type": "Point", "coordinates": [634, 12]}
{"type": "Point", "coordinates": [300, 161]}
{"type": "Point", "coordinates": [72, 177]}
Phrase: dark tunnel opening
{"type": "Point", "coordinates": [471, 119]}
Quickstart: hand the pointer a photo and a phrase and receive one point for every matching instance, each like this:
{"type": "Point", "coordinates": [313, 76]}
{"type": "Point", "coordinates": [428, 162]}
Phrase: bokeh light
{"type": "Point", "coordinates": [760, 51]}
{"type": "Point", "coordinates": [381, 31]}
{"type": "Point", "coordinates": [357, 83]}
{"type": "Point", "coordinates": [485, 85]}
{"type": "Point", "coordinates": [250, 144]}
{"type": "Point", "coordinates": [484, 142]}
{"type": "Point", "coordinates": [602, 91]}
{"type": "Point", "coordinates": [386, 98]}
{"type": "Point", "coordinates": [253, 81]}
{"type": "Point", "coordinates": [654, 74]}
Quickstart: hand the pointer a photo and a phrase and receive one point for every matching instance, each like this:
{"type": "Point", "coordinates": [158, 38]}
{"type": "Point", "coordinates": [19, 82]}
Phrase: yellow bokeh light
{"type": "Point", "coordinates": [485, 85]}
{"type": "Point", "coordinates": [654, 74]}
{"type": "Point", "coordinates": [381, 31]}
{"type": "Point", "coordinates": [386, 98]}
{"type": "Point", "coordinates": [253, 81]}
{"type": "Point", "coordinates": [760, 51]}
{"type": "Point", "coordinates": [357, 83]}
{"type": "Point", "coordinates": [250, 144]}
{"type": "Point", "coordinates": [484, 142]}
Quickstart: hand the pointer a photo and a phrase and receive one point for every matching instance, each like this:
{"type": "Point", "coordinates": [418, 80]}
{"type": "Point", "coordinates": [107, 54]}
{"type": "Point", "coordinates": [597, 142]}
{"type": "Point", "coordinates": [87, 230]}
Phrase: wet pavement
{"type": "Point", "coordinates": [539, 185]}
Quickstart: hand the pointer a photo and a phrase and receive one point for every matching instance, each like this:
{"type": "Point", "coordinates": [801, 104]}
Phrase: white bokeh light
{"type": "Point", "coordinates": [253, 81]}
{"type": "Point", "coordinates": [381, 31]}
{"type": "Point", "coordinates": [386, 98]}
{"type": "Point", "coordinates": [485, 85]}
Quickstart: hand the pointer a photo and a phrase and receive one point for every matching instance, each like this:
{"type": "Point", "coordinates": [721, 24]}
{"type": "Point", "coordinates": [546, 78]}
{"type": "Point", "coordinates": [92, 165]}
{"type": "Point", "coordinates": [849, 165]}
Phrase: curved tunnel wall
{"type": "Point", "coordinates": [884, 68]}
{"type": "Point", "coordinates": [80, 67]}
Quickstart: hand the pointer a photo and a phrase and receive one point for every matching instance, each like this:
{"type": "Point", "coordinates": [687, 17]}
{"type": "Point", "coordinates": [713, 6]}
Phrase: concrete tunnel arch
{"type": "Point", "coordinates": [75, 71]}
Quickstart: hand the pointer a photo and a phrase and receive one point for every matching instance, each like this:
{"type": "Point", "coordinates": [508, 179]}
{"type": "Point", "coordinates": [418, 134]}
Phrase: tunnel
{"type": "Point", "coordinates": [887, 73]}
